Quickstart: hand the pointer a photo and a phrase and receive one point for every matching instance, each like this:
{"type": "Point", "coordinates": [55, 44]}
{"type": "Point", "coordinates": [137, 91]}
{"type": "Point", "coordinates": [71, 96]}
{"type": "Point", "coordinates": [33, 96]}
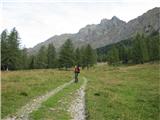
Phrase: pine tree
{"type": "Point", "coordinates": [124, 54]}
{"type": "Point", "coordinates": [154, 47]}
{"type": "Point", "coordinates": [66, 55]}
{"type": "Point", "coordinates": [136, 50]}
{"type": "Point", "coordinates": [83, 58]}
{"type": "Point", "coordinates": [139, 51]}
{"type": "Point", "coordinates": [24, 59]}
{"type": "Point", "coordinates": [144, 50]}
{"type": "Point", "coordinates": [4, 50]}
{"type": "Point", "coordinates": [78, 57]}
{"type": "Point", "coordinates": [113, 56]}
{"type": "Point", "coordinates": [10, 50]}
{"type": "Point", "coordinates": [14, 50]}
{"type": "Point", "coordinates": [121, 50]}
{"type": "Point", "coordinates": [41, 60]}
{"type": "Point", "coordinates": [32, 62]}
{"type": "Point", "coordinates": [51, 56]}
{"type": "Point", "coordinates": [89, 56]}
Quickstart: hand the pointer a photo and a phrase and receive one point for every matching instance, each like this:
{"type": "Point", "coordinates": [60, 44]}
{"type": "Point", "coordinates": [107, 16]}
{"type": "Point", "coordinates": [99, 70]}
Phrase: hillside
{"type": "Point", "coordinates": [108, 31]}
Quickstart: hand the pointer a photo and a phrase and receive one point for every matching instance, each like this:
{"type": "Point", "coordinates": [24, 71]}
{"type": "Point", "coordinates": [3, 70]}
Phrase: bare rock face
{"type": "Point", "coordinates": [147, 23]}
{"type": "Point", "coordinates": [108, 31]}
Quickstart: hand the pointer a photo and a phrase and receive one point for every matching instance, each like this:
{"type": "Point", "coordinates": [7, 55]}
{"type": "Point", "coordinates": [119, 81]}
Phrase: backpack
{"type": "Point", "coordinates": [77, 70]}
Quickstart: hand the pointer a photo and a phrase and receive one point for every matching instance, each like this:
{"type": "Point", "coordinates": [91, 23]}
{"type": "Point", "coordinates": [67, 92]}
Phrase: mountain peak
{"type": "Point", "coordinates": [104, 21]}
{"type": "Point", "coordinates": [108, 31]}
{"type": "Point", "coordinates": [115, 18]}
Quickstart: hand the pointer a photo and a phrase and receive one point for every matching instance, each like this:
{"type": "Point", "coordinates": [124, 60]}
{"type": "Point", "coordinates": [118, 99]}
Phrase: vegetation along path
{"type": "Point", "coordinates": [77, 107]}
{"type": "Point", "coordinates": [23, 113]}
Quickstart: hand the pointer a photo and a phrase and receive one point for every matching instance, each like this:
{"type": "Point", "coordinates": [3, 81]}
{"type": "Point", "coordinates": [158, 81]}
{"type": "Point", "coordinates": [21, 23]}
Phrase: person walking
{"type": "Point", "coordinates": [76, 71]}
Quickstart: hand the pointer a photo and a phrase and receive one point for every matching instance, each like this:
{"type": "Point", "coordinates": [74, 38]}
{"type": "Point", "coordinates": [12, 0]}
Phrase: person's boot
{"type": "Point", "coordinates": [76, 80]}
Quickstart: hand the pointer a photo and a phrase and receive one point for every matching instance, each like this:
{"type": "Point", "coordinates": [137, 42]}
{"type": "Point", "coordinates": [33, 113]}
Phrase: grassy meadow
{"type": "Point", "coordinates": [18, 87]}
{"type": "Point", "coordinates": [112, 93]}
{"type": "Point", "coordinates": [123, 93]}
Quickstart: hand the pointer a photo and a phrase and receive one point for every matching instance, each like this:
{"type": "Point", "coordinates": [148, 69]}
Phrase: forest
{"type": "Point", "coordinates": [14, 58]}
{"type": "Point", "coordinates": [136, 50]}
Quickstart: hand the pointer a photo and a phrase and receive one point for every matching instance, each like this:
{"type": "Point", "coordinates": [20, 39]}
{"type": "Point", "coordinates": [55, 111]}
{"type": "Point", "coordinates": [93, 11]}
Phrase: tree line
{"type": "Point", "coordinates": [136, 50]}
{"type": "Point", "coordinates": [66, 57]}
{"type": "Point", "coordinates": [14, 58]}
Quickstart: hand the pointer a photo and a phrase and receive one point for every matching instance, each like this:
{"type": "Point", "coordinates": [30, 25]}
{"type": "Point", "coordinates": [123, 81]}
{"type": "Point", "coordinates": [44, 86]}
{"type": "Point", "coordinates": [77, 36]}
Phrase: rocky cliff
{"type": "Point", "coordinates": [108, 31]}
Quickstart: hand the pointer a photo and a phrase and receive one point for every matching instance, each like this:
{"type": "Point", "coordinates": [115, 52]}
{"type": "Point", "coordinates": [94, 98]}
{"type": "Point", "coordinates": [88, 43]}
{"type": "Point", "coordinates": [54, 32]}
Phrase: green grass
{"type": "Point", "coordinates": [55, 108]}
{"type": "Point", "coordinates": [123, 93]}
{"type": "Point", "coordinates": [112, 93]}
{"type": "Point", "coordinates": [18, 87]}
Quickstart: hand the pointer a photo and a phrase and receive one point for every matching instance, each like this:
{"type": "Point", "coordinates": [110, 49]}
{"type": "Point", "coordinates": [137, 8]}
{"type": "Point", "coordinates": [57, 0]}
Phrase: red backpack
{"type": "Point", "coordinates": [77, 70]}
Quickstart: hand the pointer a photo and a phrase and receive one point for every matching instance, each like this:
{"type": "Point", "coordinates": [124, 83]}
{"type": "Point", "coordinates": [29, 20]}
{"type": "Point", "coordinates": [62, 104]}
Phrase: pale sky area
{"type": "Point", "coordinates": [38, 20]}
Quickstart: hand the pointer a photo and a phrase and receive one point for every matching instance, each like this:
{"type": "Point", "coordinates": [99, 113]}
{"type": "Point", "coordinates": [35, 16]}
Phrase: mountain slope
{"type": "Point", "coordinates": [108, 31]}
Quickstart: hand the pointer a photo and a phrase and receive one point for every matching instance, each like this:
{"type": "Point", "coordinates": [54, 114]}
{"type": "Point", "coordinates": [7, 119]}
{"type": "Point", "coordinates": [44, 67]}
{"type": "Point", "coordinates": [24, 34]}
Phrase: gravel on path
{"type": "Point", "coordinates": [77, 106]}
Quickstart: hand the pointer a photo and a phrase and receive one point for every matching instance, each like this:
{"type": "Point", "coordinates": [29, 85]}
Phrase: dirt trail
{"type": "Point", "coordinates": [77, 107]}
{"type": "Point", "coordinates": [23, 113]}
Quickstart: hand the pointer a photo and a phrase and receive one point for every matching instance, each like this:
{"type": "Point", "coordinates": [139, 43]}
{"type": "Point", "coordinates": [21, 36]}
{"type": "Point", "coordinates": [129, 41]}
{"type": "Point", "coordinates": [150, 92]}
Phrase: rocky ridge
{"type": "Point", "coordinates": [108, 31]}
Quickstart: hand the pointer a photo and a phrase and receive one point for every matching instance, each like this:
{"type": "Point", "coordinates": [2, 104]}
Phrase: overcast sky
{"type": "Point", "coordinates": [38, 20]}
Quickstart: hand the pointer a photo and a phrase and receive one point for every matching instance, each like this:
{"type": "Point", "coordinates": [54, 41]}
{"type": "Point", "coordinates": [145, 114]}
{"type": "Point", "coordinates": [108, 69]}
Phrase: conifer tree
{"type": "Point", "coordinates": [78, 57]}
{"type": "Point", "coordinates": [14, 50]}
{"type": "Point", "coordinates": [41, 60]}
{"type": "Point", "coordinates": [124, 55]}
{"type": "Point", "coordinates": [24, 59]}
{"type": "Point", "coordinates": [144, 50]}
{"type": "Point", "coordinates": [139, 51]}
{"type": "Point", "coordinates": [12, 57]}
{"type": "Point", "coordinates": [32, 62]}
{"type": "Point", "coordinates": [136, 50]}
{"type": "Point", "coordinates": [51, 56]}
{"type": "Point", "coordinates": [154, 47]}
{"type": "Point", "coordinates": [89, 56]}
{"type": "Point", "coordinates": [83, 58]}
{"type": "Point", "coordinates": [66, 55]}
{"type": "Point", "coordinates": [113, 56]}
{"type": "Point", "coordinates": [4, 50]}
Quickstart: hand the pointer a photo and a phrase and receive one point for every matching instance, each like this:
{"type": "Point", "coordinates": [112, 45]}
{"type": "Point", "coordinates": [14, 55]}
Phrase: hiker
{"type": "Point", "coordinates": [76, 71]}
